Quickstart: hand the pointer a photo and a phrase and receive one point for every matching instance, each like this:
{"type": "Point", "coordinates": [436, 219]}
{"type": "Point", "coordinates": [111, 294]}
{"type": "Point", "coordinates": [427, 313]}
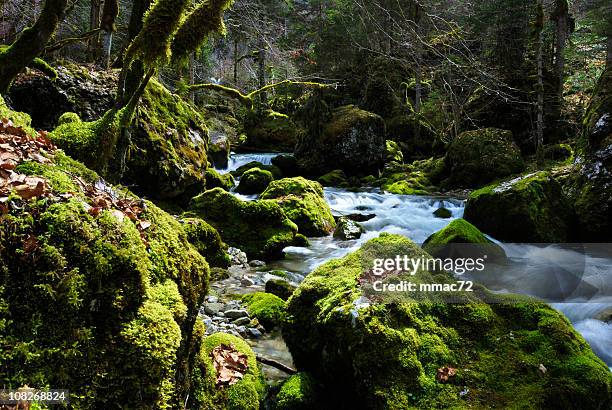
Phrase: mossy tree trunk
{"type": "Point", "coordinates": [30, 43]}
{"type": "Point", "coordinates": [539, 27]}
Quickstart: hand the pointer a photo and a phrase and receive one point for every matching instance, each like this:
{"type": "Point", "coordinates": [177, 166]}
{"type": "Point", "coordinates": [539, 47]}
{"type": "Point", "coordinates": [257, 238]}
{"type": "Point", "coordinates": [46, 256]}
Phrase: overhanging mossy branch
{"type": "Point", "coordinates": [71, 40]}
{"type": "Point", "coordinates": [248, 99]}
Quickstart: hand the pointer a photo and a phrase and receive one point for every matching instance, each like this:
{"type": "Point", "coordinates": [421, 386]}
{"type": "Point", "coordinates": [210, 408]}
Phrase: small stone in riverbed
{"type": "Point", "coordinates": [242, 321]}
{"type": "Point", "coordinates": [246, 281]}
{"type": "Point", "coordinates": [256, 263]}
{"type": "Point", "coordinates": [254, 333]}
{"type": "Point", "coordinates": [212, 299]}
{"type": "Point", "coordinates": [213, 308]}
{"type": "Point", "coordinates": [236, 313]}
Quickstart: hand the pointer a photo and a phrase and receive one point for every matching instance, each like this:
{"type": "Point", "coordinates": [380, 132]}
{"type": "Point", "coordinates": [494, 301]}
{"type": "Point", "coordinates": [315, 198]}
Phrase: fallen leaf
{"type": "Point", "coordinates": [144, 225]}
{"type": "Point", "coordinates": [230, 364]}
{"type": "Point", "coordinates": [30, 244]}
{"type": "Point", "coordinates": [445, 373]}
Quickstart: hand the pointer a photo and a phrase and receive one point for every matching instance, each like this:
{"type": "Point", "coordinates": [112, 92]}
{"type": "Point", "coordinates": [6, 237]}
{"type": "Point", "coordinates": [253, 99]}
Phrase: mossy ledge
{"type": "Point", "coordinates": [386, 356]}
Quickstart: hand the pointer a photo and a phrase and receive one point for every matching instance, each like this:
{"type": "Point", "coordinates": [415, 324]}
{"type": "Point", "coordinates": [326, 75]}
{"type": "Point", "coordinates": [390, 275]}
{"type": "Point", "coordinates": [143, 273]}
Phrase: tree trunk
{"type": "Point", "coordinates": [261, 72]}
{"type": "Point", "coordinates": [609, 52]}
{"type": "Point", "coordinates": [30, 43]}
{"type": "Point", "coordinates": [191, 75]}
{"type": "Point", "coordinates": [106, 50]}
{"type": "Point", "coordinates": [235, 62]}
{"type": "Point", "coordinates": [562, 15]}
{"type": "Point", "coordinates": [540, 86]}
{"type": "Point", "coordinates": [94, 22]}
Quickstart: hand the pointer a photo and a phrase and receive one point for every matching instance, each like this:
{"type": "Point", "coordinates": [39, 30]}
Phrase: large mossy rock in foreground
{"type": "Point", "coordinates": [461, 239]}
{"type": "Point", "coordinates": [477, 157]}
{"type": "Point", "coordinates": [259, 228]}
{"type": "Point", "coordinates": [353, 140]}
{"type": "Point", "coordinates": [530, 208]}
{"type": "Point", "coordinates": [167, 153]}
{"type": "Point", "coordinates": [387, 356]}
{"type": "Point", "coordinates": [303, 202]}
{"type": "Point", "coordinates": [591, 187]}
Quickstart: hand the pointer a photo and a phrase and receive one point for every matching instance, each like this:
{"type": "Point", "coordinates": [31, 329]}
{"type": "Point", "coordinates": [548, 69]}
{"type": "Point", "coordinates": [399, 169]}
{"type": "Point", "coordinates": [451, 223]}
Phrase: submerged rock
{"type": "Point", "coordinates": [254, 181]}
{"type": "Point", "coordinates": [442, 213]}
{"type": "Point", "coordinates": [477, 157]}
{"type": "Point", "coordinates": [530, 208]}
{"type": "Point", "coordinates": [375, 355]}
{"type": "Point", "coordinates": [303, 202]}
{"type": "Point", "coordinates": [260, 228]}
{"type": "Point", "coordinates": [353, 140]}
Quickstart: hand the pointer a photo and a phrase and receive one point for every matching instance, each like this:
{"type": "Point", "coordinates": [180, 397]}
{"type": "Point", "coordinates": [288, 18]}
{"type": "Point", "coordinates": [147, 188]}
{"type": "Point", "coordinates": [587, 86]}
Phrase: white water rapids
{"type": "Point", "coordinates": [412, 216]}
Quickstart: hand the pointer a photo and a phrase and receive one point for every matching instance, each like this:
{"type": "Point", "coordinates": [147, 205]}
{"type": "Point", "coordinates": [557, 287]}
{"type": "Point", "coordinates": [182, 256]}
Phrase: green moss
{"type": "Point", "coordinates": [68, 117]}
{"type": "Point", "coordinates": [270, 131]}
{"type": "Point", "coordinates": [260, 228]}
{"type": "Point", "coordinates": [246, 394]}
{"type": "Point", "coordinates": [459, 231]}
{"type": "Point", "coordinates": [20, 119]}
{"type": "Point", "coordinates": [276, 172]}
{"type": "Point", "coordinates": [44, 67]}
{"type": "Point", "coordinates": [280, 288]}
{"type": "Point", "coordinates": [207, 241]}
{"type": "Point", "coordinates": [254, 181]}
{"type": "Point", "coordinates": [386, 355]}
{"type": "Point", "coordinates": [269, 309]}
{"type": "Point", "coordinates": [167, 294]}
{"type": "Point", "coordinates": [394, 152]}
{"type": "Point", "coordinates": [336, 178]}
{"type": "Point", "coordinates": [530, 208]}
{"type": "Point", "coordinates": [442, 213]}
{"type": "Point", "coordinates": [478, 157]}
{"type": "Point", "coordinates": [297, 393]}
{"type": "Point", "coordinates": [303, 202]}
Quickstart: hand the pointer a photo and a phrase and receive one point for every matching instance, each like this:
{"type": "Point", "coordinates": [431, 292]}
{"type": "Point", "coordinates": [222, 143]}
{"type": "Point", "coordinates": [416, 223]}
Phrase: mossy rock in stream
{"type": "Point", "coordinates": [254, 181]}
{"type": "Point", "coordinates": [276, 172]}
{"type": "Point", "coordinates": [461, 239]}
{"type": "Point", "coordinates": [207, 241]}
{"type": "Point", "coordinates": [530, 208]}
{"type": "Point", "coordinates": [259, 228]}
{"type": "Point", "coordinates": [269, 309]}
{"type": "Point", "coordinates": [388, 355]}
{"type": "Point", "coordinates": [335, 178]}
{"type": "Point", "coordinates": [303, 202]}
{"type": "Point", "coordinates": [216, 180]}
{"type": "Point", "coordinates": [270, 130]}
{"type": "Point", "coordinates": [167, 156]}
{"type": "Point", "coordinates": [477, 157]}
{"type": "Point", "coordinates": [246, 394]}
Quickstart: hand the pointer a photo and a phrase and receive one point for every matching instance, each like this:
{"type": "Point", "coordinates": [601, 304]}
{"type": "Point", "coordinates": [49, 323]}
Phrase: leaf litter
{"type": "Point", "coordinates": [230, 364]}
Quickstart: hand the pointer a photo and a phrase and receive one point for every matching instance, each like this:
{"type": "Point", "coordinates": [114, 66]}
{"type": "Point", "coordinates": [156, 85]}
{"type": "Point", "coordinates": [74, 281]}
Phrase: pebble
{"type": "Point", "coordinates": [254, 333]}
{"type": "Point", "coordinates": [213, 308]}
{"type": "Point", "coordinates": [236, 313]}
{"type": "Point", "coordinates": [242, 321]}
{"type": "Point", "coordinates": [256, 263]}
{"type": "Point", "coordinates": [246, 281]}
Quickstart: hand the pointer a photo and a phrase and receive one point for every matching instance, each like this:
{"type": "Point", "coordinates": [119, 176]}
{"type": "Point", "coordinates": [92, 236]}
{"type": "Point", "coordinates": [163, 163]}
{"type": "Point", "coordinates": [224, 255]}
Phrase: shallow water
{"type": "Point", "coordinates": [412, 216]}
{"type": "Point", "coordinates": [238, 160]}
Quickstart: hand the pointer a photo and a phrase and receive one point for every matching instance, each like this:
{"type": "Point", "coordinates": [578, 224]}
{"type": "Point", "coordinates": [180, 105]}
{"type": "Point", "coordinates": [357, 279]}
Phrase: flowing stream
{"type": "Point", "coordinates": [412, 216]}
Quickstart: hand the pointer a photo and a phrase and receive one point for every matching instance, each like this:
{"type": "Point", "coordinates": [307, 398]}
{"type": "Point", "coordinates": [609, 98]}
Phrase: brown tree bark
{"type": "Point", "coordinates": [30, 43]}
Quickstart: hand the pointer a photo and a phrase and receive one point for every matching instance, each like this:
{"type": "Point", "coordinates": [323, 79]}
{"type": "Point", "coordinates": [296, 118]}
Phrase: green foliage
{"type": "Point", "coordinates": [303, 202]}
{"type": "Point", "coordinates": [269, 309]}
{"type": "Point", "coordinates": [394, 153]}
{"type": "Point", "coordinates": [20, 119]}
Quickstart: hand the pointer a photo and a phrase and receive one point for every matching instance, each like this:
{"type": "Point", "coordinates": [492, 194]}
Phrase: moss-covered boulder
{"type": "Point", "coordinates": [219, 148]}
{"type": "Point", "coordinates": [166, 157]}
{"type": "Point", "coordinates": [442, 213]}
{"type": "Point", "coordinates": [287, 164]}
{"type": "Point", "coordinates": [352, 140]}
{"type": "Point", "coordinates": [298, 392]}
{"type": "Point", "coordinates": [418, 178]}
{"type": "Point", "coordinates": [269, 309]}
{"type": "Point", "coordinates": [477, 157]}
{"type": "Point", "coordinates": [303, 202]}
{"type": "Point", "coordinates": [590, 187]}
{"type": "Point", "coordinates": [216, 180]}
{"type": "Point", "coordinates": [270, 131]}
{"type": "Point", "coordinates": [111, 303]}
{"type": "Point", "coordinates": [254, 181]}
{"type": "Point", "coordinates": [336, 178]}
{"type": "Point", "coordinates": [259, 228]}
{"type": "Point", "coordinates": [393, 355]}
{"type": "Point", "coordinates": [530, 208]}
{"type": "Point", "coordinates": [207, 241]}
{"type": "Point", "coordinates": [246, 394]}
{"type": "Point", "coordinates": [461, 239]}
{"type": "Point", "coordinates": [280, 288]}
{"type": "Point", "coordinates": [276, 171]}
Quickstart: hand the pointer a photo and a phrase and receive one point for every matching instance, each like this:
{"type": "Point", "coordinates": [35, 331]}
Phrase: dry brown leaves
{"type": "Point", "coordinates": [445, 373]}
{"type": "Point", "coordinates": [229, 363]}
{"type": "Point", "coordinates": [16, 146]}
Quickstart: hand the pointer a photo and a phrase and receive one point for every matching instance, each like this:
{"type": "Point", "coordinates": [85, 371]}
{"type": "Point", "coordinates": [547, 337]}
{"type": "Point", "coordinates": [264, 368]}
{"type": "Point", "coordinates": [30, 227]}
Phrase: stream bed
{"type": "Point", "coordinates": [412, 216]}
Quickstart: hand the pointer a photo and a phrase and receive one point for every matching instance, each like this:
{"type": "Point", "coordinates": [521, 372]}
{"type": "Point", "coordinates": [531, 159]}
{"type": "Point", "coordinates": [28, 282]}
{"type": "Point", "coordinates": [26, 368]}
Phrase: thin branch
{"type": "Point", "coordinates": [276, 364]}
{"type": "Point", "coordinates": [71, 40]}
